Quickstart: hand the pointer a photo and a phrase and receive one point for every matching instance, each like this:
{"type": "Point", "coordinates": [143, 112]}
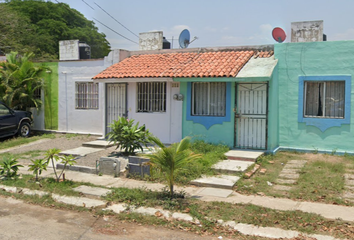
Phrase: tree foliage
{"type": "Point", "coordinates": [38, 26]}
{"type": "Point", "coordinates": [19, 80]}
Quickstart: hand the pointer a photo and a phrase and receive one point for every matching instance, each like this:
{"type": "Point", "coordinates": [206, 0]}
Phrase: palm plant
{"type": "Point", "coordinates": [52, 156]}
{"type": "Point", "coordinates": [19, 80]}
{"type": "Point", "coordinates": [9, 167]}
{"type": "Point", "coordinates": [169, 160]}
{"type": "Point", "coordinates": [38, 166]}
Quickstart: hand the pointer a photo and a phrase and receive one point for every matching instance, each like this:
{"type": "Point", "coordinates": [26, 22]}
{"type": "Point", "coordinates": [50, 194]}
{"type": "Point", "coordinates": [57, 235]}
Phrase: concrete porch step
{"type": "Point", "coordinates": [222, 181]}
{"type": "Point", "coordinates": [232, 166]}
{"type": "Point", "coordinates": [98, 144]}
{"type": "Point", "coordinates": [244, 155]}
{"type": "Point", "coordinates": [80, 151]}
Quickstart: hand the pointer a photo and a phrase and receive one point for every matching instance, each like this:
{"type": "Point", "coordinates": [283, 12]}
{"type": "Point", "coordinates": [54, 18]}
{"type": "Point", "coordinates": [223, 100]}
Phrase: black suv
{"type": "Point", "coordinates": [14, 122]}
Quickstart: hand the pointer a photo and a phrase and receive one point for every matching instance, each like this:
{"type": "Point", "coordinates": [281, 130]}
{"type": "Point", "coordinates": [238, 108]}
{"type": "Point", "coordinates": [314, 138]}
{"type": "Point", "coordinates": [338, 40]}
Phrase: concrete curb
{"type": "Point", "coordinates": [77, 168]}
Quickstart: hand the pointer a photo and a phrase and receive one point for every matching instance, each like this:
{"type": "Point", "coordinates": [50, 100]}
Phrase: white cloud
{"type": "Point", "coordinates": [347, 35]}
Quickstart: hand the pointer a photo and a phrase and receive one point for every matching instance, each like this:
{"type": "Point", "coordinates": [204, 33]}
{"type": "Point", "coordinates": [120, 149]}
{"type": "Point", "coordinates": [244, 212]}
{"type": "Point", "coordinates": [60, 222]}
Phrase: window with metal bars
{"type": "Point", "coordinates": [324, 99]}
{"type": "Point", "coordinates": [151, 97]}
{"type": "Point", "coordinates": [86, 95]}
{"type": "Point", "coordinates": [208, 99]}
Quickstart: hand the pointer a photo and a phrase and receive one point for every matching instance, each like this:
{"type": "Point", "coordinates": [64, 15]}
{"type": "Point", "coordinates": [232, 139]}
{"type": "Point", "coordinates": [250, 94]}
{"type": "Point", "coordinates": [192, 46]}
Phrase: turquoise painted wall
{"type": "Point", "coordinates": [224, 133]}
{"type": "Point", "coordinates": [218, 133]}
{"type": "Point", "coordinates": [273, 112]}
{"type": "Point", "coordinates": [311, 59]}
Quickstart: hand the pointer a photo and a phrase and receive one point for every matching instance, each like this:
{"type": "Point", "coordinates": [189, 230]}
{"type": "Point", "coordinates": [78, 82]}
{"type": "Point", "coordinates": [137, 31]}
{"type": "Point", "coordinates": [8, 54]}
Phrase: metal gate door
{"type": "Point", "coordinates": [116, 102]}
{"type": "Point", "coordinates": [251, 116]}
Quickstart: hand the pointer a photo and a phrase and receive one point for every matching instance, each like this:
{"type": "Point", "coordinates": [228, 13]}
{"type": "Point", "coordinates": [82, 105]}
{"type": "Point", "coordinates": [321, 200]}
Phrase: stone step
{"type": "Point", "coordinates": [98, 144]}
{"type": "Point", "coordinates": [222, 181]}
{"type": "Point", "coordinates": [231, 166]}
{"type": "Point", "coordinates": [244, 155]}
{"type": "Point", "coordinates": [80, 151]}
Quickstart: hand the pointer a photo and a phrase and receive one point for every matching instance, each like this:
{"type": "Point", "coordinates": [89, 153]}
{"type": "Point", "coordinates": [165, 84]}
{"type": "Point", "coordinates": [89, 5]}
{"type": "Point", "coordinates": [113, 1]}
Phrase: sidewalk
{"type": "Point", "coordinates": [328, 211]}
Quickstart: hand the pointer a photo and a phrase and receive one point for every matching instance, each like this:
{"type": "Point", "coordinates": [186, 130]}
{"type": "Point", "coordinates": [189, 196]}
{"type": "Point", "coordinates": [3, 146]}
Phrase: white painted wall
{"type": "Point", "coordinates": [166, 126]}
{"type": "Point", "coordinates": [89, 121]}
{"type": "Point", "coordinates": [79, 120]}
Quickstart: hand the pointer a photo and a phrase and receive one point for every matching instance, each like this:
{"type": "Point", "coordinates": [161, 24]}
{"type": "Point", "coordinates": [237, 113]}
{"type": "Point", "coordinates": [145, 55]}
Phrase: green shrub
{"type": "Point", "coordinates": [128, 136]}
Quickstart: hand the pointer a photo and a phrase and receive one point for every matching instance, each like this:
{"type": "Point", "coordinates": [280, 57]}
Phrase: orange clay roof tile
{"type": "Point", "coordinates": [174, 65]}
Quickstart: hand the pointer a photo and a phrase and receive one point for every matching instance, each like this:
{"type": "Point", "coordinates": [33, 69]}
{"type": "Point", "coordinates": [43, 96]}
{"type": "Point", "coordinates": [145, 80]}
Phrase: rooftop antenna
{"type": "Point", "coordinates": [184, 39]}
{"type": "Point", "coordinates": [279, 34]}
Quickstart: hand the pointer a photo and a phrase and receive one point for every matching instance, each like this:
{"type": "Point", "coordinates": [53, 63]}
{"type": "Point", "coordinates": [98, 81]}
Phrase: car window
{"type": "Point", "coordinates": [4, 110]}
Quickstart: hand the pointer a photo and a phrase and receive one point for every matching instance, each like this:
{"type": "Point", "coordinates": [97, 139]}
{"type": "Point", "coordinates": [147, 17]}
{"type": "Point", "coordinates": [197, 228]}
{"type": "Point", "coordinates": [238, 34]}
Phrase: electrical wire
{"type": "Point", "coordinates": [115, 19]}
{"type": "Point", "coordinates": [115, 31]}
{"type": "Point", "coordinates": [88, 5]}
{"type": "Point", "coordinates": [105, 24]}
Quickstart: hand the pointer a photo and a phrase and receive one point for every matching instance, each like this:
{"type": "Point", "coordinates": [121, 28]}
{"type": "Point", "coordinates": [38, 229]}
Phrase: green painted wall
{"type": "Point", "coordinates": [306, 59]}
{"type": "Point", "coordinates": [51, 97]}
{"type": "Point", "coordinates": [273, 112]}
{"type": "Point", "coordinates": [217, 133]}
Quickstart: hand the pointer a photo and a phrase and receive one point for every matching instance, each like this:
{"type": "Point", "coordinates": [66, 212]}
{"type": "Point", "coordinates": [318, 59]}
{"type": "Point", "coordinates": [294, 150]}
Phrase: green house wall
{"type": "Point", "coordinates": [51, 96]}
{"type": "Point", "coordinates": [318, 60]}
{"type": "Point", "coordinates": [224, 133]}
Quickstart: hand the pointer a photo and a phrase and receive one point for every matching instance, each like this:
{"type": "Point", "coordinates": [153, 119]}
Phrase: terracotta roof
{"type": "Point", "coordinates": [190, 64]}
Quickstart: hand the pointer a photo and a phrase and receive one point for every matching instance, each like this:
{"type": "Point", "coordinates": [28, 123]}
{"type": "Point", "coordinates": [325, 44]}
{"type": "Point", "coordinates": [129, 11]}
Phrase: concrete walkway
{"type": "Point", "coordinates": [328, 211]}
{"type": "Point", "coordinates": [246, 229]}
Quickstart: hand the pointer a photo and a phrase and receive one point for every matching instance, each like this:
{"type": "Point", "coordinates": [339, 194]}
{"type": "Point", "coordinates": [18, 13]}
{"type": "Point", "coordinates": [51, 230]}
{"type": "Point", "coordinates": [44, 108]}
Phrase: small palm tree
{"type": "Point", "coordinates": [169, 160]}
{"type": "Point", "coordinates": [52, 155]}
{"type": "Point", "coordinates": [9, 167]}
{"type": "Point", "coordinates": [38, 166]}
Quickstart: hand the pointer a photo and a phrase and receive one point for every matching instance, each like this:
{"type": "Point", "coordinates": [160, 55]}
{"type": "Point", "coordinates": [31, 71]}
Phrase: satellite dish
{"type": "Point", "coordinates": [184, 38]}
{"type": "Point", "coordinates": [279, 34]}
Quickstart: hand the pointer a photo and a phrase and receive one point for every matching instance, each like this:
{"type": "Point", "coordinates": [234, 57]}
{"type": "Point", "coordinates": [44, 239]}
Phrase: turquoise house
{"type": "Point", "coordinates": [314, 88]}
{"type": "Point", "coordinates": [239, 110]}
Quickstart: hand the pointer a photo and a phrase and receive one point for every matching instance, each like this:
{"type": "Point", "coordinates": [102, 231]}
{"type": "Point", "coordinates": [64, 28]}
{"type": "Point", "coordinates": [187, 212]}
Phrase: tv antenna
{"type": "Point", "coordinates": [279, 34]}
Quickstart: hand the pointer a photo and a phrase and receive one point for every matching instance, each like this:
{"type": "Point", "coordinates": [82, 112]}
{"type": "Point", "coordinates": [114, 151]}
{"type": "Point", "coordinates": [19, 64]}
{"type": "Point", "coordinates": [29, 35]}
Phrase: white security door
{"type": "Point", "coordinates": [116, 102]}
{"type": "Point", "coordinates": [251, 116]}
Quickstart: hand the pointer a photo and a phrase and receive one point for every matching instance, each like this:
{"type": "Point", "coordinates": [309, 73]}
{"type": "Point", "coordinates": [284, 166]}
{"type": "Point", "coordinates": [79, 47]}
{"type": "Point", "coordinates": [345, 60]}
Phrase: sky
{"type": "Point", "coordinates": [215, 23]}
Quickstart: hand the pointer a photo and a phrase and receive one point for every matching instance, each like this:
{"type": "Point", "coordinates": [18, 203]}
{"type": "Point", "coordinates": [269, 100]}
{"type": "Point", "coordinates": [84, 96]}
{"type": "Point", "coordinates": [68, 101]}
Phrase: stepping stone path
{"type": "Point", "coordinates": [349, 186]}
{"type": "Point", "coordinates": [289, 175]}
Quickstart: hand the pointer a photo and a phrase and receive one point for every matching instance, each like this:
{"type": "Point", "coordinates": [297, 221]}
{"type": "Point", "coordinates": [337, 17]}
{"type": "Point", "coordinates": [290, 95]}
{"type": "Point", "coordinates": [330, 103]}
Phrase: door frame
{"type": "Point", "coordinates": [106, 98]}
{"type": "Point", "coordinates": [236, 110]}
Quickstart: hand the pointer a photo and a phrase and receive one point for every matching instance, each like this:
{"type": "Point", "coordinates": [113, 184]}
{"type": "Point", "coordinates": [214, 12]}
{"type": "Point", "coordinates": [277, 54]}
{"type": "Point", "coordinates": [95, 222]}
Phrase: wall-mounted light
{"type": "Point", "coordinates": [178, 97]}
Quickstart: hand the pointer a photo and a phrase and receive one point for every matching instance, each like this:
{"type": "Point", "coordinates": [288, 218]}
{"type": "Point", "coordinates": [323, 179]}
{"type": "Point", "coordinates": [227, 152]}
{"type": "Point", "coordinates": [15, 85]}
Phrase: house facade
{"type": "Point", "coordinates": [315, 95]}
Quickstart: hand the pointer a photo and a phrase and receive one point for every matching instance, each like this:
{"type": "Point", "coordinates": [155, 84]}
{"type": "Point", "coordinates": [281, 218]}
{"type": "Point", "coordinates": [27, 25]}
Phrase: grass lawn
{"type": "Point", "coordinates": [206, 212]}
{"type": "Point", "coordinates": [321, 179]}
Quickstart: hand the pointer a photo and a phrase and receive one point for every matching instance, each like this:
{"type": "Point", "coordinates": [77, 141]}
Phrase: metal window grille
{"type": "Point", "coordinates": [86, 95]}
{"type": "Point", "coordinates": [37, 93]}
{"type": "Point", "coordinates": [324, 99]}
{"type": "Point", "coordinates": [151, 97]}
{"type": "Point", "coordinates": [208, 98]}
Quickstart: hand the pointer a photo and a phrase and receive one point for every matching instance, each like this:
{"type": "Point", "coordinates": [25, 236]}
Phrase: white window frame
{"type": "Point", "coordinates": [208, 112]}
{"type": "Point", "coordinates": [151, 97]}
{"type": "Point", "coordinates": [86, 95]}
{"type": "Point", "coordinates": [324, 98]}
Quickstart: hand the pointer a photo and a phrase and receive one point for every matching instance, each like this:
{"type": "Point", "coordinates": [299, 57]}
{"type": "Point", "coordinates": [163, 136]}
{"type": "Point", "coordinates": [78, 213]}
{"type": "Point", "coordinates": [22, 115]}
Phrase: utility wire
{"type": "Point", "coordinates": [115, 19]}
{"type": "Point", "coordinates": [106, 25]}
{"type": "Point", "coordinates": [88, 5]}
{"type": "Point", "coordinates": [115, 31]}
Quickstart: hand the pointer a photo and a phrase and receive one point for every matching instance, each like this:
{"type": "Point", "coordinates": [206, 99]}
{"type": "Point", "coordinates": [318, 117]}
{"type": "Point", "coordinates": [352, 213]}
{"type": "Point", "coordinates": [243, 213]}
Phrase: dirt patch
{"type": "Point", "coordinates": [312, 157]}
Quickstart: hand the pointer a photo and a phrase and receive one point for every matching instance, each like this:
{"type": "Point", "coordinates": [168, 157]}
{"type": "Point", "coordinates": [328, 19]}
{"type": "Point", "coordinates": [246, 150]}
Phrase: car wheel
{"type": "Point", "coordinates": [24, 130]}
